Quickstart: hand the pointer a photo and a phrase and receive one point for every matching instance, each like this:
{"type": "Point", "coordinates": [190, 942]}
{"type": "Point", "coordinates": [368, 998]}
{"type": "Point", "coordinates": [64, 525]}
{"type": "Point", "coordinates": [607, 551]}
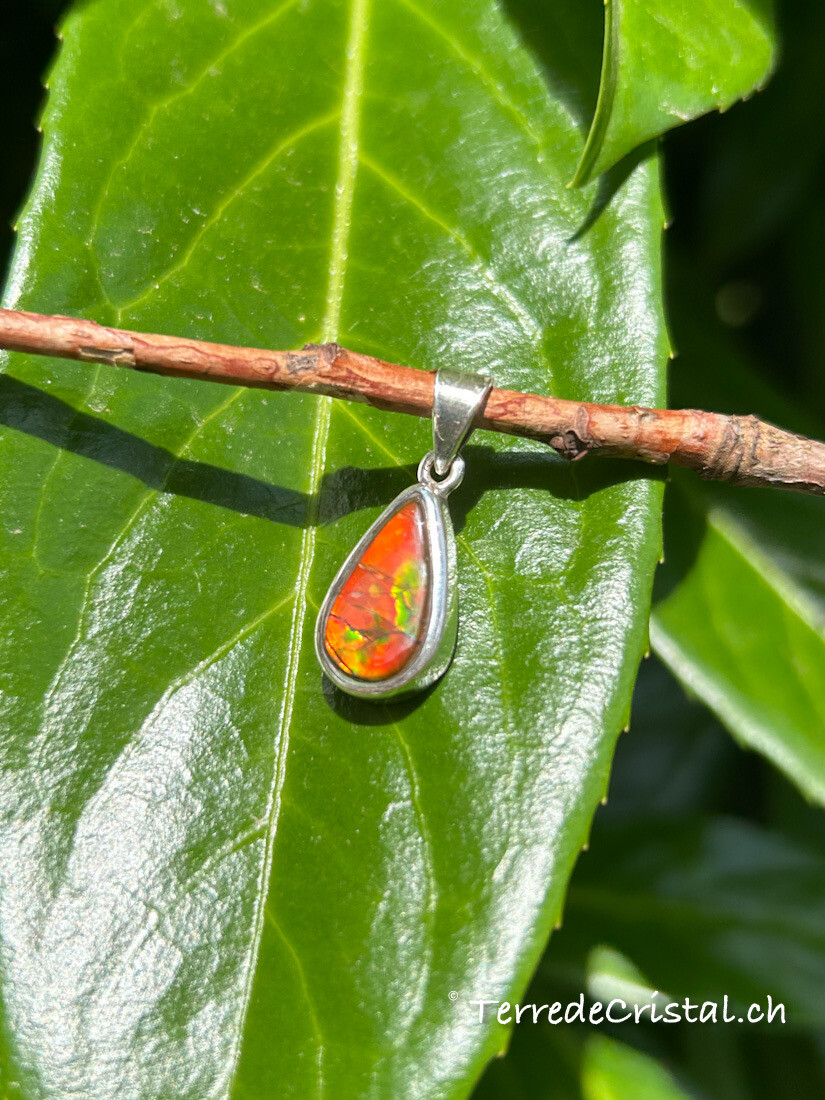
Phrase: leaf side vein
{"type": "Point", "coordinates": [243, 37]}
{"type": "Point", "coordinates": [485, 269]}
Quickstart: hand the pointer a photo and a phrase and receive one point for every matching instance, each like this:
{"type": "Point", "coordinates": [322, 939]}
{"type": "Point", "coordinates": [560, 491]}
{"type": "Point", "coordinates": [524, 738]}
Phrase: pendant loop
{"type": "Point", "coordinates": [446, 485]}
{"type": "Point", "coordinates": [458, 397]}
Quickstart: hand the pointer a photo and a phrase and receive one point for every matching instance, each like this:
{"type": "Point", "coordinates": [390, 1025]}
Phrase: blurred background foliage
{"type": "Point", "coordinates": [705, 873]}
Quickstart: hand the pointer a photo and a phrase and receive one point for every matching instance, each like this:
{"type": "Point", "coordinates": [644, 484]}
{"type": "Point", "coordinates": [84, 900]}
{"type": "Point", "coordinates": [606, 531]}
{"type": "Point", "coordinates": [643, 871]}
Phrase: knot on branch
{"type": "Point", "coordinates": [736, 455]}
{"type": "Point", "coordinates": [569, 445]}
{"type": "Point", "coordinates": [574, 442]}
{"type": "Point", "coordinates": [325, 354]}
{"type": "Point", "coordinates": [112, 357]}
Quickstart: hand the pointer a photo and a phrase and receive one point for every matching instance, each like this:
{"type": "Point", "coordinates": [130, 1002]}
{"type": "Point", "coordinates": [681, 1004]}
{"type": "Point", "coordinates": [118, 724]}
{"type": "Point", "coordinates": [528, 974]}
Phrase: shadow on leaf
{"type": "Point", "coordinates": [26, 408]}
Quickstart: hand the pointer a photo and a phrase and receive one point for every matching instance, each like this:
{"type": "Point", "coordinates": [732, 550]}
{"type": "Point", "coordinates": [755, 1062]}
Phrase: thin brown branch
{"type": "Point", "coordinates": [740, 449]}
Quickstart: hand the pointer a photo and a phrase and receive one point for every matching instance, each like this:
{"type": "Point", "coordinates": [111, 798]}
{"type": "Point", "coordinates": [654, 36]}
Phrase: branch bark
{"type": "Point", "coordinates": [742, 450]}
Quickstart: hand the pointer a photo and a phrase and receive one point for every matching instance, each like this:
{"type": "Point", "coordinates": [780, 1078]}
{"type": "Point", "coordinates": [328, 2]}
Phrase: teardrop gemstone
{"type": "Point", "coordinates": [376, 621]}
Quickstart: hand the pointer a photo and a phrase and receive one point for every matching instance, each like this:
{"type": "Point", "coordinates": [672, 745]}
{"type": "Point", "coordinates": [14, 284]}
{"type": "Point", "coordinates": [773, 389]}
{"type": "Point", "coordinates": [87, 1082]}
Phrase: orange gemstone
{"type": "Point", "coordinates": [375, 623]}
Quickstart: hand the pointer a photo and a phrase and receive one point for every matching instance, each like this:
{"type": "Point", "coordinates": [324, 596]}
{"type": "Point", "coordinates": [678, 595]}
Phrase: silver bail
{"type": "Point", "coordinates": [458, 397]}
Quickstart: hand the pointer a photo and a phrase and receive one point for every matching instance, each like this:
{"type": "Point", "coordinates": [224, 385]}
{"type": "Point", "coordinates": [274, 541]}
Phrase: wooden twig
{"type": "Point", "coordinates": [739, 449]}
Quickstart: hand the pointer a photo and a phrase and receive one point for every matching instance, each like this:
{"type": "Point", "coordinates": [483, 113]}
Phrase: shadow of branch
{"type": "Point", "coordinates": [25, 408]}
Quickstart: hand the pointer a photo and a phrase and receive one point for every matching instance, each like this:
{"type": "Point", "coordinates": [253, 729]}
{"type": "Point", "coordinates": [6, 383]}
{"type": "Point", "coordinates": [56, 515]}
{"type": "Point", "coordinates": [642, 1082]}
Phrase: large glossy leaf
{"type": "Point", "coordinates": [740, 611]}
{"type": "Point", "coordinates": [665, 63]}
{"type": "Point", "coordinates": [219, 877]}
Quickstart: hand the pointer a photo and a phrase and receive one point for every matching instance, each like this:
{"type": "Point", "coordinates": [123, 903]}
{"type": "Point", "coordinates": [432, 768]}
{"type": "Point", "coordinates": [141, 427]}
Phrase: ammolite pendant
{"type": "Point", "coordinates": [388, 623]}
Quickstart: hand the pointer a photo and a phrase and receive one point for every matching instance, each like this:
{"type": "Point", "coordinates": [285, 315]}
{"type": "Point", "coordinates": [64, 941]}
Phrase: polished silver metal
{"type": "Point", "coordinates": [458, 397]}
{"type": "Point", "coordinates": [446, 484]}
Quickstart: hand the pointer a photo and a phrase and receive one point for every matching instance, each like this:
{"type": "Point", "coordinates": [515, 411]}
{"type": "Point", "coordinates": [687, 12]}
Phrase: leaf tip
{"type": "Point", "coordinates": [580, 177]}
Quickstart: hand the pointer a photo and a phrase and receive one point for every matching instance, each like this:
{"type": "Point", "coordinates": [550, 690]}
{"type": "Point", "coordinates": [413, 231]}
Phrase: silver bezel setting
{"type": "Point", "coordinates": [438, 636]}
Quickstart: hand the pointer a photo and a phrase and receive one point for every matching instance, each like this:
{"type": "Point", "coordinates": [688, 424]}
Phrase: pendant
{"type": "Point", "coordinates": [388, 623]}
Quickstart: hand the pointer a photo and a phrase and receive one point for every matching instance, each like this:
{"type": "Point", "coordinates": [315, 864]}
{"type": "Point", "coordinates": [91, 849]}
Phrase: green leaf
{"type": "Point", "coordinates": [740, 610]}
{"type": "Point", "coordinates": [615, 1071]}
{"type": "Point", "coordinates": [220, 878]}
{"type": "Point", "coordinates": [687, 903]}
{"type": "Point", "coordinates": [752, 179]}
{"type": "Point", "coordinates": [740, 633]}
{"type": "Point", "coordinates": [566, 1063]}
{"type": "Point", "coordinates": [664, 64]}
{"type": "Point", "coordinates": [609, 974]}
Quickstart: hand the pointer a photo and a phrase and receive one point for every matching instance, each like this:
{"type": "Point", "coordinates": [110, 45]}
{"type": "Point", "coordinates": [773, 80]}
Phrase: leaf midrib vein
{"type": "Point", "coordinates": [342, 213]}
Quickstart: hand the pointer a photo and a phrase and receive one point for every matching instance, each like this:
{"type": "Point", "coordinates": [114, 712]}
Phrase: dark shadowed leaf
{"type": "Point", "coordinates": [675, 759]}
{"type": "Point", "coordinates": [687, 902]}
